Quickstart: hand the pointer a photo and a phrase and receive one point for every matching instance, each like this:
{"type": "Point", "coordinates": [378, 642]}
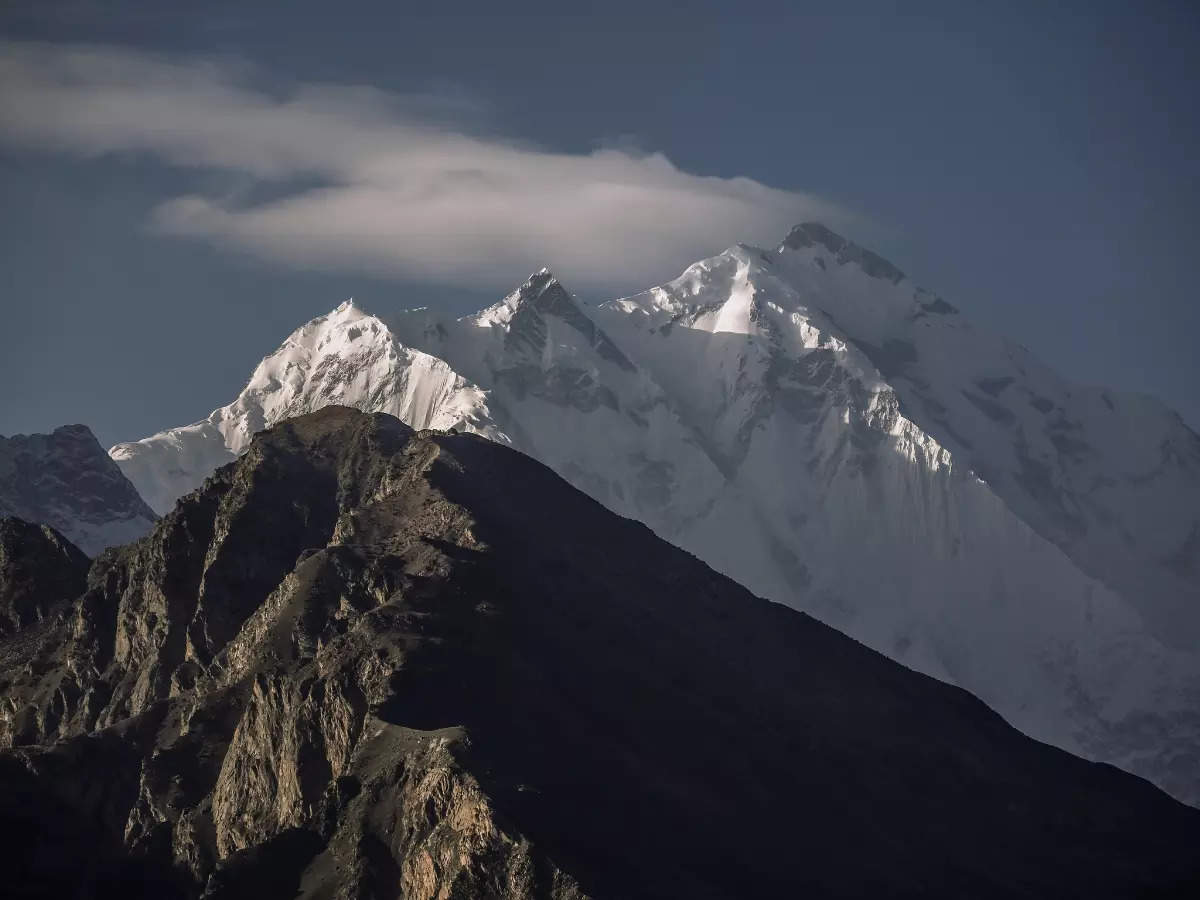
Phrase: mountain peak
{"type": "Point", "coordinates": [542, 288]}
{"type": "Point", "coordinates": [808, 233]}
{"type": "Point", "coordinates": [814, 234]}
{"type": "Point", "coordinates": [78, 431]}
{"type": "Point", "coordinates": [66, 480]}
{"type": "Point", "coordinates": [523, 313]}
{"type": "Point", "coordinates": [541, 293]}
{"type": "Point", "coordinates": [455, 620]}
{"type": "Point", "coordinates": [841, 443]}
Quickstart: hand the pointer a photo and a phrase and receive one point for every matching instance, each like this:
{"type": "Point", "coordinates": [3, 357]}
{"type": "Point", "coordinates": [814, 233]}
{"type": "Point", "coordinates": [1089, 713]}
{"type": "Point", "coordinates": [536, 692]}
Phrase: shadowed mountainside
{"type": "Point", "coordinates": [65, 479]}
{"type": "Point", "coordinates": [368, 662]}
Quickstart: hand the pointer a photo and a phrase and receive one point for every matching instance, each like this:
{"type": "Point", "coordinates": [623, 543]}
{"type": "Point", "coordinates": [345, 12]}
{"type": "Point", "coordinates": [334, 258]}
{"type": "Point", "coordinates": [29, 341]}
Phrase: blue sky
{"type": "Point", "coordinates": [184, 187]}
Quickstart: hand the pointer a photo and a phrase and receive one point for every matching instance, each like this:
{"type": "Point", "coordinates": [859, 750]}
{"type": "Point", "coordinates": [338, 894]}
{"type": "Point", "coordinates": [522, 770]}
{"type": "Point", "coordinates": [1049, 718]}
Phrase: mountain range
{"type": "Point", "coordinates": [809, 422]}
{"type": "Point", "coordinates": [363, 661]}
{"type": "Point", "coordinates": [65, 479]}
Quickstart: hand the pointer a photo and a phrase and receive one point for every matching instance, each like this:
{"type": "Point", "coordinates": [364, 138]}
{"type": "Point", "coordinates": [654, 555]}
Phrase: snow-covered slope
{"type": "Point", "coordinates": [1113, 479]}
{"type": "Point", "coordinates": [346, 357]}
{"type": "Point", "coordinates": [64, 479]}
{"type": "Point", "coordinates": [560, 390]}
{"type": "Point", "coordinates": [901, 494]}
{"type": "Point", "coordinates": [807, 421]}
{"type": "Point", "coordinates": [557, 389]}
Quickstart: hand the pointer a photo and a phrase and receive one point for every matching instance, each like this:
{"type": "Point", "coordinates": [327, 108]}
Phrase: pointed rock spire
{"type": "Point", "coordinates": [544, 295]}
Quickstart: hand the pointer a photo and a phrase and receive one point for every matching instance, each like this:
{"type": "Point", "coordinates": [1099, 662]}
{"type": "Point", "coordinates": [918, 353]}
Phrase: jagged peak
{"type": "Point", "coordinates": [812, 234]}
{"type": "Point", "coordinates": [522, 313]}
{"type": "Point", "coordinates": [541, 284]}
{"type": "Point", "coordinates": [346, 315]}
{"type": "Point", "coordinates": [75, 430]}
{"type": "Point", "coordinates": [540, 293]}
{"type": "Point", "coordinates": [806, 234]}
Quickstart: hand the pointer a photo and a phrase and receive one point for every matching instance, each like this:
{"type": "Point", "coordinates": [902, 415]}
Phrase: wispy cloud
{"type": "Point", "coordinates": [397, 185]}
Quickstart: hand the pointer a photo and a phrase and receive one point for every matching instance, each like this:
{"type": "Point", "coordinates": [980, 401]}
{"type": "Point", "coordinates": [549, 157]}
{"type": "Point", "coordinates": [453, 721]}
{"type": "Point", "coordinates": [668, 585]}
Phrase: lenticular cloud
{"type": "Point", "coordinates": [403, 185]}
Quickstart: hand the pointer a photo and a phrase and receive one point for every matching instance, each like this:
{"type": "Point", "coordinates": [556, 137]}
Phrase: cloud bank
{"type": "Point", "coordinates": [394, 185]}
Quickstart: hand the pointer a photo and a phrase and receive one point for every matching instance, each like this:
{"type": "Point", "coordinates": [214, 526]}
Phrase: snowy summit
{"type": "Point", "coordinates": [808, 421]}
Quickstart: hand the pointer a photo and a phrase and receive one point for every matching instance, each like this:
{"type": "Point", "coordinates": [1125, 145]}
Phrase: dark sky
{"type": "Point", "coordinates": [1038, 167]}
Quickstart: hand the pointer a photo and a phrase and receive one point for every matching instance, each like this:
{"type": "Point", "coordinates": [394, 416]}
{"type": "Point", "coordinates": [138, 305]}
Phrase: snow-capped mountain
{"type": "Point", "coordinates": [541, 360]}
{"type": "Point", "coordinates": [65, 479]}
{"type": "Point", "coordinates": [347, 358]}
{"type": "Point", "coordinates": [809, 422]}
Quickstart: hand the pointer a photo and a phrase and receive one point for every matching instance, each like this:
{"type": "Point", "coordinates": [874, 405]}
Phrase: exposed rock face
{"type": "Point", "coordinates": [368, 662]}
{"type": "Point", "coordinates": [40, 571]}
{"type": "Point", "coordinates": [65, 479]}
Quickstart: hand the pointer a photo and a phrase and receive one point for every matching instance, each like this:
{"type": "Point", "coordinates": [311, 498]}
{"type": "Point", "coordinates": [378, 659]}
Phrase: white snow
{"type": "Point", "coordinates": [842, 443]}
{"type": "Point", "coordinates": [346, 357]}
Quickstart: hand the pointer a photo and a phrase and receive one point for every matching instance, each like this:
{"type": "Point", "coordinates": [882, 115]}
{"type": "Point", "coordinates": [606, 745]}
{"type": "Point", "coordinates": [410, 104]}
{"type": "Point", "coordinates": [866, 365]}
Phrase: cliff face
{"type": "Point", "coordinates": [368, 662]}
{"type": "Point", "coordinates": [40, 571]}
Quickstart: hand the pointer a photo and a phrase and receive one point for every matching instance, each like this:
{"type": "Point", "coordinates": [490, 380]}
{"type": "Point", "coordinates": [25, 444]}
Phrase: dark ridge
{"type": "Point", "coordinates": [474, 680]}
{"type": "Point", "coordinates": [65, 479]}
{"type": "Point", "coordinates": [40, 571]}
{"type": "Point", "coordinates": [809, 234]}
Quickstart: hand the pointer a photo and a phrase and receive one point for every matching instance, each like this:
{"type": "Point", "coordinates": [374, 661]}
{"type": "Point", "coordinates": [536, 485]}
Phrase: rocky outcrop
{"type": "Point", "coordinates": [40, 571]}
{"type": "Point", "coordinates": [65, 479]}
{"type": "Point", "coordinates": [368, 662]}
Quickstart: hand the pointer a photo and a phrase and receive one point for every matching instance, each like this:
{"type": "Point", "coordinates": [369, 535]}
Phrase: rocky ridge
{"type": "Point", "coordinates": [367, 661]}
